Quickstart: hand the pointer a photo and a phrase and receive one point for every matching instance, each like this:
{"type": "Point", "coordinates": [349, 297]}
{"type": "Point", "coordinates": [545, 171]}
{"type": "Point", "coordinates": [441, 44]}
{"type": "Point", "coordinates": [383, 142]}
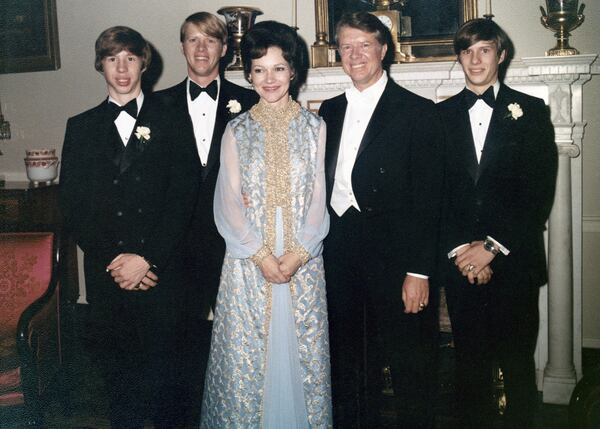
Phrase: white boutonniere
{"type": "Point", "coordinates": [515, 111]}
{"type": "Point", "coordinates": [142, 134]}
{"type": "Point", "coordinates": [234, 107]}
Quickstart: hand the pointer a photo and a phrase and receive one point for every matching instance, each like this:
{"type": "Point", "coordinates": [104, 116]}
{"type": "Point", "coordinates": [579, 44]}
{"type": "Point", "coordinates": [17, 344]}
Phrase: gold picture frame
{"type": "Point", "coordinates": [417, 48]}
{"type": "Point", "coordinates": [28, 36]}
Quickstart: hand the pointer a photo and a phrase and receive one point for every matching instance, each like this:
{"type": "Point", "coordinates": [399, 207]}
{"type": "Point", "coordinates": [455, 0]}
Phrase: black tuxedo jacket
{"type": "Point", "coordinates": [508, 196]}
{"type": "Point", "coordinates": [396, 179]}
{"type": "Point", "coordinates": [205, 248]}
{"type": "Point", "coordinates": [134, 199]}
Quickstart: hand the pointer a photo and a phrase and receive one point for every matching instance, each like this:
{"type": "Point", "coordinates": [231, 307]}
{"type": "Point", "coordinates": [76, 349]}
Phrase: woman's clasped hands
{"type": "Point", "coordinates": [280, 270]}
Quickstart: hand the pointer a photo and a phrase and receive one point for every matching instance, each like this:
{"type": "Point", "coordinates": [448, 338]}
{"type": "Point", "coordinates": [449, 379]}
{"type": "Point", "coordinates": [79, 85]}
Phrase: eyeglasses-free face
{"type": "Point", "coordinates": [362, 56]}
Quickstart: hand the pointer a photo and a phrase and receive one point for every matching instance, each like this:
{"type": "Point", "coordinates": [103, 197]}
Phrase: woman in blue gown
{"type": "Point", "coordinates": [269, 358]}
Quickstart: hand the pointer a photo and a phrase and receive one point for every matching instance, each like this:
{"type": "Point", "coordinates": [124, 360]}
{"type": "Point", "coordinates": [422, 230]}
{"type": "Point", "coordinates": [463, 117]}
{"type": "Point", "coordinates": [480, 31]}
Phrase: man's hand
{"type": "Point", "coordinates": [269, 267]}
{"type": "Point", "coordinates": [289, 264]}
{"type": "Point", "coordinates": [415, 294]}
{"type": "Point", "coordinates": [483, 277]}
{"type": "Point", "coordinates": [472, 259]}
{"type": "Point", "coordinates": [132, 272]}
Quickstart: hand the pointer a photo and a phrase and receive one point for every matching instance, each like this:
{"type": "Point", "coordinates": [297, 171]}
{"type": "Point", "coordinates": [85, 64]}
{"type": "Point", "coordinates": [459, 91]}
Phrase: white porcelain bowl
{"type": "Point", "coordinates": [42, 171]}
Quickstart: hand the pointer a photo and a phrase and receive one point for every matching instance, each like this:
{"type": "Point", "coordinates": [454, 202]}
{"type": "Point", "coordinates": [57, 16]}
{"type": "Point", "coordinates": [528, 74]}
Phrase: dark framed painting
{"type": "Point", "coordinates": [28, 36]}
{"type": "Point", "coordinates": [425, 27]}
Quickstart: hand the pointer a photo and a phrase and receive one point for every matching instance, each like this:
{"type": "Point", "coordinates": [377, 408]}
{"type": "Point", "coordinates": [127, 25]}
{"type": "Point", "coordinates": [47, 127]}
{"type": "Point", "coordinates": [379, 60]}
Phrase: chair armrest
{"type": "Point", "coordinates": [38, 331]}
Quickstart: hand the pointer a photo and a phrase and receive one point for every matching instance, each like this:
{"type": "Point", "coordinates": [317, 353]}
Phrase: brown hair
{"type": "Point", "coordinates": [363, 21]}
{"type": "Point", "coordinates": [120, 38]}
{"type": "Point", "coordinates": [208, 24]}
{"type": "Point", "coordinates": [368, 23]}
{"type": "Point", "coordinates": [482, 29]}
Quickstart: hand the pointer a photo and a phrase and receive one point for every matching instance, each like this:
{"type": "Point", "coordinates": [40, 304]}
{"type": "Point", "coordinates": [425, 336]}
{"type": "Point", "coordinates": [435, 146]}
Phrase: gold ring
{"type": "Point", "coordinates": [470, 267]}
{"type": "Point", "coordinates": [422, 305]}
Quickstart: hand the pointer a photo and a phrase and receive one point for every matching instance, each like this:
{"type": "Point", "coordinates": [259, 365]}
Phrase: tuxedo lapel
{"type": "Point", "coordinates": [463, 135]}
{"type": "Point", "coordinates": [132, 150]}
{"type": "Point", "coordinates": [221, 119]}
{"type": "Point", "coordinates": [380, 118]}
{"type": "Point", "coordinates": [105, 135]}
{"type": "Point", "coordinates": [334, 137]}
{"type": "Point", "coordinates": [176, 98]}
{"type": "Point", "coordinates": [495, 133]}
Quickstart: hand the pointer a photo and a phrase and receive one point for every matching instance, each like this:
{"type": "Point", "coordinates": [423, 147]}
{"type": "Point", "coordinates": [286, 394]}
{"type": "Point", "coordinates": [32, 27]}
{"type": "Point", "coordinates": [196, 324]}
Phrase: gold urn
{"type": "Point", "coordinates": [563, 16]}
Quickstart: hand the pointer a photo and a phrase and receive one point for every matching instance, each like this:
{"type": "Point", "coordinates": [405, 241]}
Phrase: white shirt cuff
{"type": "Point", "coordinates": [453, 252]}
{"type": "Point", "coordinates": [499, 245]}
{"type": "Point", "coordinates": [419, 276]}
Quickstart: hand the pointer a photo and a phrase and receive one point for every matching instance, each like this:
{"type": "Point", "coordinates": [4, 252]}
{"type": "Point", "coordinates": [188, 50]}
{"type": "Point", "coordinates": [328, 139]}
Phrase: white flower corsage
{"type": "Point", "coordinates": [515, 111]}
{"type": "Point", "coordinates": [142, 133]}
{"type": "Point", "coordinates": [234, 106]}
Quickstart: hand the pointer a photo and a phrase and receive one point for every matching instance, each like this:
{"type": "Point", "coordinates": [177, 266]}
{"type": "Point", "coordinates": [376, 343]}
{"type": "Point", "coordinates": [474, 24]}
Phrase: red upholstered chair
{"type": "Point", "coordinates": [30, 349]}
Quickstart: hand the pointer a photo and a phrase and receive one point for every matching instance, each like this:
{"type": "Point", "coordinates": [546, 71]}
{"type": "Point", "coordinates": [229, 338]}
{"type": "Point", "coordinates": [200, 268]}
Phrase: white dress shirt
{"type": "Point", "coordinates": [480, 116]}
{"type": "Point", "coordinates": [125, 122]}
{"type": "Point", "coordinates": [203, 111]}
{"type": "Point", "coordinates": [361, 106]}
{"type": "Point", "coordinates": [358, 114]}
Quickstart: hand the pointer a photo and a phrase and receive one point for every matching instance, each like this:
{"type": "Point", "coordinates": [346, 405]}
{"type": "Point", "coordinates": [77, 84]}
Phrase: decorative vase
{"type": "Point", "coordinates": [41, 165]}
{"type": "Point", "coordinates": [239, 20]}
{"type": "Point", "coordinates": [562, 17]}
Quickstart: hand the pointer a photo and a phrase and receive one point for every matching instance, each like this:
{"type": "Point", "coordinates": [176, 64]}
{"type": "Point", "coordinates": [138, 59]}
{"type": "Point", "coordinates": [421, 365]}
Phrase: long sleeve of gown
{"type": "Point", "coordinates": [240, 237]}
{"type": "Point", "coordinates": [316, 224]}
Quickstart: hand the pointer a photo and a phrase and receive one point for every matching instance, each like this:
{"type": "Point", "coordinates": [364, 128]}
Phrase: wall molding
{"type": "Point", "coordinates": [591, 224]}
{"type": "Point", "coordinates": [591, 343]}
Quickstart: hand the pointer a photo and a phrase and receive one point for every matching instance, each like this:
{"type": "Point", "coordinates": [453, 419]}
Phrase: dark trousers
{"type": "Point", "coordinates": [203, 275]}
{"type": "Point", "coordinates": [369, 331]}
{"type": "Point", "coordinates": [194, 350]}
{"type": "Point", "coordinates": [491, 326]}
{"type": "Point", "coordinates": [134, 345]}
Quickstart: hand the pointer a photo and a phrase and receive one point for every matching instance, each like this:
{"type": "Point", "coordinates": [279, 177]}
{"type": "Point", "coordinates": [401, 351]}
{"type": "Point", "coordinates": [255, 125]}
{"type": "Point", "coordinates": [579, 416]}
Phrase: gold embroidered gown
{"type": "Point", "coordinates": [269, 358]}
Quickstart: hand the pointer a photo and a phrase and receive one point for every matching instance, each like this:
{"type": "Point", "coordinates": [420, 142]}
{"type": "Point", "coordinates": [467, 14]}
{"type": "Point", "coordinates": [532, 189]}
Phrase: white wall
{"type": "Point", "coordinates": [38, 104]}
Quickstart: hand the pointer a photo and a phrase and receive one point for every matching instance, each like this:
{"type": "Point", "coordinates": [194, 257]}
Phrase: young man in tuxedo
{"type": "Point", "coordinates": [501, 164]}
{"type": "Point", "coordinates": [384, 180]}
{"type": "Point", "coordinates": [127, 198]}
{"type": "Point", "coordinates": [205, 101]}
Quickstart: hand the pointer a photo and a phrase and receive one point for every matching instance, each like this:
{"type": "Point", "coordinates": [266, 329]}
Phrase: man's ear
{"type": "Point", "coordinates": [502, 56]}
{"type": "Point", "coordinates": [384, 49]}
{"type": "Point", "coordinates": [223, 50]}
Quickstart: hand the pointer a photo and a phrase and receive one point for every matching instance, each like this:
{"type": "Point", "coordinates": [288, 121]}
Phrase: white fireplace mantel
{"type": "Point", "coordinates": [559, 81]}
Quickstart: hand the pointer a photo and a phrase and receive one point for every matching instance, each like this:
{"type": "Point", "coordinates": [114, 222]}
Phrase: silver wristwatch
{"type": "Point", "coordinates": [490, 246]}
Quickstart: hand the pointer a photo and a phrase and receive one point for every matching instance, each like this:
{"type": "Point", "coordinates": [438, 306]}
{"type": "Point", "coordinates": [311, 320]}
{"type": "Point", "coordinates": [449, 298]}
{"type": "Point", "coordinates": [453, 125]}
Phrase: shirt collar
{"type": "Point", "coordinates": [139, 100]}
{"type": "Point", "coordinates": [370, 95]}
{"type": "Point", "coordinates": [496, 86]}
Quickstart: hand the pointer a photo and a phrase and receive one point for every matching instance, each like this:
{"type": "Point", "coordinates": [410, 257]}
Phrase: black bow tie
{"type": "Point", "coordinates": [196, 90]}
{"type": "Point", "coordinates": [488, 96]}
{"type": "Point", "coordinates": [131, 108]}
